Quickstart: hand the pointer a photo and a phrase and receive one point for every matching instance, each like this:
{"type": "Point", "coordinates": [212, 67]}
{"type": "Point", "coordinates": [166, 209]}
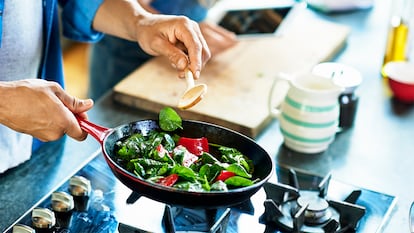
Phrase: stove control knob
{"type": "Point", "coordinates": [20, 228]}
{"type": "Point", "coordinates": [43, 219]}
{"type": "Point", "coordinates": [62, 205]}
{"type": "Point", "coordinates": [62, 202]}
{"type": "Point", "coordinates": [79, 186]}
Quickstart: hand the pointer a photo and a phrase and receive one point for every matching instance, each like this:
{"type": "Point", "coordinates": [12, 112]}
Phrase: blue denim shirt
{"type": "Point", "coordinates": [190, 8]}
{"type": "Point", "coordinates": [77, 17]}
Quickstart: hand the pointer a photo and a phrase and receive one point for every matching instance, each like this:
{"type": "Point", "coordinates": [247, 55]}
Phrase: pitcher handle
{"type": "Point", "coordinates": [281, 84]}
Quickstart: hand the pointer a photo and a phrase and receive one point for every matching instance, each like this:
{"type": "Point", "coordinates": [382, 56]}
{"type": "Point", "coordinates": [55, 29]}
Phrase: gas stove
{"type": "Point", "coordinates": [292, 201]}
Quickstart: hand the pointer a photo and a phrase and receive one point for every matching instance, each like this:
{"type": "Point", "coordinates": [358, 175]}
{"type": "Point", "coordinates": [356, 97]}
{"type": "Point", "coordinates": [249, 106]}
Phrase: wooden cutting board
{"type": "Point", "coordinates": [238, 80]}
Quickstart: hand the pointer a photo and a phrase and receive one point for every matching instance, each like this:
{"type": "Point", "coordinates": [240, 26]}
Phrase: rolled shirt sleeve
{"type": "Point", "coordinates": [77, 17]}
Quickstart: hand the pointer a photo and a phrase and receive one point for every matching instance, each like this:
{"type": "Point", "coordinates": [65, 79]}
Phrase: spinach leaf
{"type": "Point", "coordinates": [184, 172]}
{"type": "Point", "coordinates": [209, 171]}
{"type": "Point", "coordinates": [238, 170]}
{"type": "Point", "coordinates": [238, 181]}
{"type": "Point", "coordinates": [219, 186]}
{"type": "Point", "coordinates": [139, 170]}
{"type": "Point", "coordinates": [169, 142]}
{"type": "Point", "coordinates": [189, 186]}
{"type": "Point", "coordinates": [208, 158]}
{"type": "Point", "coordinates": [204, 183]}
{"type": "Point", "coordinates": [232, 155]}
{"type": "Point", "coordinates": [169, 120]}
{"type": "Point", "coordinates": [131, 147]}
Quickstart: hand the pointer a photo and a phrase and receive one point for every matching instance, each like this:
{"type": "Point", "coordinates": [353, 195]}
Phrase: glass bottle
{"type": "Point", "coordinates": [398, 40]}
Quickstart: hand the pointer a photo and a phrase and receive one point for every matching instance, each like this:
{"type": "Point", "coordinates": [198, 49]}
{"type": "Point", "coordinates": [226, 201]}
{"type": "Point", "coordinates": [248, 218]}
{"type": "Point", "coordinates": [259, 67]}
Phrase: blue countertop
{"type": "Point", "coordinates": [376, 153]}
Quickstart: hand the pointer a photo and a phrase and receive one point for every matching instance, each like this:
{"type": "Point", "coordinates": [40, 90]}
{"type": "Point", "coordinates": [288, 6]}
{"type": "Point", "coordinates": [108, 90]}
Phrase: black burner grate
{"type": "Point", "coordinates": [294, 210]}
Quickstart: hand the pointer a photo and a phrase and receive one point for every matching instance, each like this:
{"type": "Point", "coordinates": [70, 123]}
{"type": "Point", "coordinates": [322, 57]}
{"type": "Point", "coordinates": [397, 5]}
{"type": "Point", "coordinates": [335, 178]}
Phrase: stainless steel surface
{"type": "Point", "coordinates": [147, 215]}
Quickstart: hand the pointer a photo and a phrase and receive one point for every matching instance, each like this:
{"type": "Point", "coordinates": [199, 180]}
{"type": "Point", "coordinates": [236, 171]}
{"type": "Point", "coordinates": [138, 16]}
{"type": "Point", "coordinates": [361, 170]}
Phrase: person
{"type": "Point", "coordinates": [34, 106]}
{"type": "Point", "coordinates": [112, 58]}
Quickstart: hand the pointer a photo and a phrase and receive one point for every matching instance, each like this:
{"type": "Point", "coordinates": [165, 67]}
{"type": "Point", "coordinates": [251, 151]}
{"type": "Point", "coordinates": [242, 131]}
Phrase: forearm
{"type": "Point", "coordinates": [5, 113]}
{"type": "Point", "coordinates": [119, 18]}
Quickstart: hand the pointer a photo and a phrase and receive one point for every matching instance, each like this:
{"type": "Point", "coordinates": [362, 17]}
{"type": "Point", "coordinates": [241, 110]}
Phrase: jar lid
{"type": "Point", "coordinates": [62, 201]}
{"type": "Point", "coordinates": [79, 186]}
{"type": "Point", "coordinates": [20, 228]}
{"type": "Point", "coordinates": [43, 218]}
{"type": "Point", "coordinates": [342, 75]}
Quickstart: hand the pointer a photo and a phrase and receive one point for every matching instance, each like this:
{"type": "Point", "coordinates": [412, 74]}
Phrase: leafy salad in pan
{"type": "Point", "coordinates": [191, 164]}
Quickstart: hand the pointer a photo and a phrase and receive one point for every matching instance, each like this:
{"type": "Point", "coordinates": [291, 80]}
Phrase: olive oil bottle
{"type": "Point", "coordinates": [398, 40]}
{"type": "Point", "coordinates": [397, 43]}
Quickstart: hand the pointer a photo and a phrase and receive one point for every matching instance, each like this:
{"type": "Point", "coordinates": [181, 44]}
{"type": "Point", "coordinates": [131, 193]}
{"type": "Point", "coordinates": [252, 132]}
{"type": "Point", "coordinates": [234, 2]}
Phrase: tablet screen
{"type": "Point", "coordinates": [254, 21]}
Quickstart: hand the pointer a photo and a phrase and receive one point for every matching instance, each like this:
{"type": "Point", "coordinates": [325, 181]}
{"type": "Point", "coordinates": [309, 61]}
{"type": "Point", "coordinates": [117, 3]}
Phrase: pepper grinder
{"type": "Point", "coordinates": [349, 78]}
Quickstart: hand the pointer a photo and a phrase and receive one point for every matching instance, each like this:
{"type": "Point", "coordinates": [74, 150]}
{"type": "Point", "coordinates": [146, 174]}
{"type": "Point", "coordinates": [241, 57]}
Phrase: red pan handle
{"type": "Point", "coordinates": [96, 131]}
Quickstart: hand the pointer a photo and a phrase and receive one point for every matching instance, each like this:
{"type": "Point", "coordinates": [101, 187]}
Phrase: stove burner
{"type": "Point", "coordinates": [294, 210]}
{"type": "Point", "coordinates": [316, 208]}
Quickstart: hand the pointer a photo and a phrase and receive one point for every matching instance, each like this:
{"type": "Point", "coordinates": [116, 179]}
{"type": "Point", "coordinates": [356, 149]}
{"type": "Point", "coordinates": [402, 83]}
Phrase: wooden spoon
{"type": "Point", "coordinates": [193, 94]}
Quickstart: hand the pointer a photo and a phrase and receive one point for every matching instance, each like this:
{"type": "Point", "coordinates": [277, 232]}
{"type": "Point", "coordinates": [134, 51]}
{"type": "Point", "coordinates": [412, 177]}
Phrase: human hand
{"type": "Point", "coordinates": [218, 38]}
{"type": "Point", "coordinates": [42, 109]}
{"type": "Point", "coordinates": [177, 38]}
